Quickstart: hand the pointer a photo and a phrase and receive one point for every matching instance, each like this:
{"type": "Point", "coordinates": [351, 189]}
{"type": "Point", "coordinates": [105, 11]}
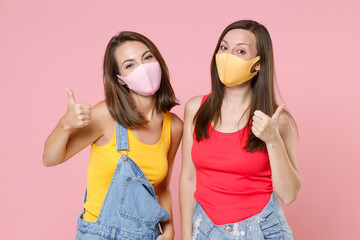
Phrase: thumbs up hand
{"type": "Point", "coordinates": [78, 115]}
{"type": "Point", "coordinates": [264, 127]}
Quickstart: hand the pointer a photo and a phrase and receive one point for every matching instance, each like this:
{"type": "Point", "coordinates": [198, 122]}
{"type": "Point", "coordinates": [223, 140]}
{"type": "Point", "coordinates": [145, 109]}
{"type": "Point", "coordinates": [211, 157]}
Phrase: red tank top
{"type": "Point", "coordinates": [231, 183]}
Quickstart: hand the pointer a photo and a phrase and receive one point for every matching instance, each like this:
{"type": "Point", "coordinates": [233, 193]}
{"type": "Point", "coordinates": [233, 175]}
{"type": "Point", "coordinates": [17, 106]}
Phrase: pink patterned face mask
{"type": "Point", "coordinates": [145, 79]}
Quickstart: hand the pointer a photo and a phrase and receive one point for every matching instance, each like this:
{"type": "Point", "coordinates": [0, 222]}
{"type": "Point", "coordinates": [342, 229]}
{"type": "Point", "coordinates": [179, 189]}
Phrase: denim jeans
{"type": "Point", "coordinates": [270, 223]}
{"type": "Point", "coordinates": [130, 209]}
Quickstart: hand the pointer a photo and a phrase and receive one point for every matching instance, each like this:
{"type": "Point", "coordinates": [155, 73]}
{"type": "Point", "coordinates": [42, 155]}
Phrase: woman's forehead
{"type": "Point", "coordinates": [130, 49]}
{"type": "Point", "coordinates": [240, 36]}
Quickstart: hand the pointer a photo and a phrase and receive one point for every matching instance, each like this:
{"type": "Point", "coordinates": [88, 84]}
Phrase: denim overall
{"type": "Point", "coordinates": [270, 223]}
{"type": "Point", "coordinates": [130, 209]}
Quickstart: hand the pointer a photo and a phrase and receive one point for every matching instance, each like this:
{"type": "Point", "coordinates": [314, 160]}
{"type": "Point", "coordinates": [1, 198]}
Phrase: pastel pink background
{"type": "Point", "coordinates": [47, 45]}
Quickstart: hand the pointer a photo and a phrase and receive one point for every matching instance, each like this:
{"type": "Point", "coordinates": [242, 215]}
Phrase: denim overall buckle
{"type": "Point", "coordinates": [123, 157]}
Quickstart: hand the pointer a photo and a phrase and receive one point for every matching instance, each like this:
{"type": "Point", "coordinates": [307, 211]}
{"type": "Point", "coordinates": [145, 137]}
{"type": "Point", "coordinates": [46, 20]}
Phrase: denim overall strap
{"type": "Point", "coordinates": [122, 142]}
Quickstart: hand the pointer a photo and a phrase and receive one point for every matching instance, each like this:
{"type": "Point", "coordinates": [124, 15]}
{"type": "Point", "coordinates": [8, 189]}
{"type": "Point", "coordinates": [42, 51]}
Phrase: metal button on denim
{"type": "Point", "coordinates": [123, 158]}
{"type": "Point", "coordinates": [228, 228]}
{"type": "Point", "coordinates": [242, 233]}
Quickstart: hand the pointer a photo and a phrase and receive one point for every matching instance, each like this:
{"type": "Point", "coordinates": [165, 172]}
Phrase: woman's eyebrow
{"type": "Point", "coordinates": [145, 53]}
{"type": "Point", "coordinates": [127, 60]}
{"type": "Point", "coordinates": [242, 44]}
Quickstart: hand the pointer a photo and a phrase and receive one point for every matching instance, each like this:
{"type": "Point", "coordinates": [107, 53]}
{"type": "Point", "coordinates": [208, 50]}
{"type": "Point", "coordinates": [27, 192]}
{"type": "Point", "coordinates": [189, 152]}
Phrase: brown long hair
{"type": "Point", "coordinates": [262, 85]}
{"type": "Point", "coordinates": [118, 100]}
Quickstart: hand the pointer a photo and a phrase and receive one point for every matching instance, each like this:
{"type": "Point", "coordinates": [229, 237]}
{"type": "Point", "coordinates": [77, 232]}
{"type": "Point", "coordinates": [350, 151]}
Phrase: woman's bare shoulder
{"type": "Point", "coordinates": [193, 105]}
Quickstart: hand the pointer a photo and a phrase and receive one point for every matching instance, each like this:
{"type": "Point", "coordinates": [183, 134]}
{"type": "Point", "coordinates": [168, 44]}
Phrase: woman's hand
{"type": "Point", "coordinates": [75, 131]}
{"type": "Point", "coordinates": [277, 134]}
{"type": "Point", "coordinates": [165, 237]}
{"type": "Point", "coordinates": [78, 115]}
{"type": "Point", "coordinates": [267, 128]}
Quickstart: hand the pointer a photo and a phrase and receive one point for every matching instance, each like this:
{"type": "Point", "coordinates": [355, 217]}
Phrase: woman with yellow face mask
{"type": "Point", "coordinates": [238, 145]}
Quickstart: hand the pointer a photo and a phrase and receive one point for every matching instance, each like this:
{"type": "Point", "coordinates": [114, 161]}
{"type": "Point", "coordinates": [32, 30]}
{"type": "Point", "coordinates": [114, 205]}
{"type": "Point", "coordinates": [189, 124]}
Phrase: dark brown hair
{"type": "Point", "coordinates": [262, 84]}
{"type": "Point", "coordinates": [118, 100]}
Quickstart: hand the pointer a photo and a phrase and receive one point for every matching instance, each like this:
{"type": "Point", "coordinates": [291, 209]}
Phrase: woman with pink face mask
{"type": "Point", "coordinates": [238, 146]}
{"type": "Point", "coordinates": [133, 138]}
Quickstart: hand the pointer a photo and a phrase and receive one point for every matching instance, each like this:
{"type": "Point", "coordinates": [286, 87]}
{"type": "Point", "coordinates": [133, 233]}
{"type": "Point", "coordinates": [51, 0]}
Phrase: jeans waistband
{"type": "Point", "coordinates": [110, 232]}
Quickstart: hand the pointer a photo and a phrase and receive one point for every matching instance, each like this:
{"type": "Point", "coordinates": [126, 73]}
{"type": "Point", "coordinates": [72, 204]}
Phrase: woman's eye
{"type": "Point", "coordinates": [241, 51]}
{"type": "Point", "coordinates": [148, 57]}
{"type": "Point", "coordinates": [129, 66]}
{"type": "Point", "coordinates": [223, 48]}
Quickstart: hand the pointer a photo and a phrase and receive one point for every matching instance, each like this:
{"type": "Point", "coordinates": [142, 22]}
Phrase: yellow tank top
{"type": "Point", "coordinates": [104, 159]}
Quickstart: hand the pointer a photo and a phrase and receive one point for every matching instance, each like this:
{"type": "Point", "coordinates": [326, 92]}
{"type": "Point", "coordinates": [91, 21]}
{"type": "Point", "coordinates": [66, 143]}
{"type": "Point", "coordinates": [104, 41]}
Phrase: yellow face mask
{"type": "Point", "coordinates": [233, 70]}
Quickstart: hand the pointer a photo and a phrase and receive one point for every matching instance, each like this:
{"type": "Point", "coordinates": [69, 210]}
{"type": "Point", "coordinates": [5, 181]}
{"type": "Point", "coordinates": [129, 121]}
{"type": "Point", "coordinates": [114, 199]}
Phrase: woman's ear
{"type": "Point", "coordinates": [256, 67]}
{"type": "Point", "coordinates": [120, 81]}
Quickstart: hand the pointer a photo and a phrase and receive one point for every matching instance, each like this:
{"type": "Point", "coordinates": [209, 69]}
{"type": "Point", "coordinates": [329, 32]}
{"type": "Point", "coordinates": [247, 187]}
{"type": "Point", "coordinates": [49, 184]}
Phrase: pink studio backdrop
{"type": "Point", "coordinates": [47, 45]}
